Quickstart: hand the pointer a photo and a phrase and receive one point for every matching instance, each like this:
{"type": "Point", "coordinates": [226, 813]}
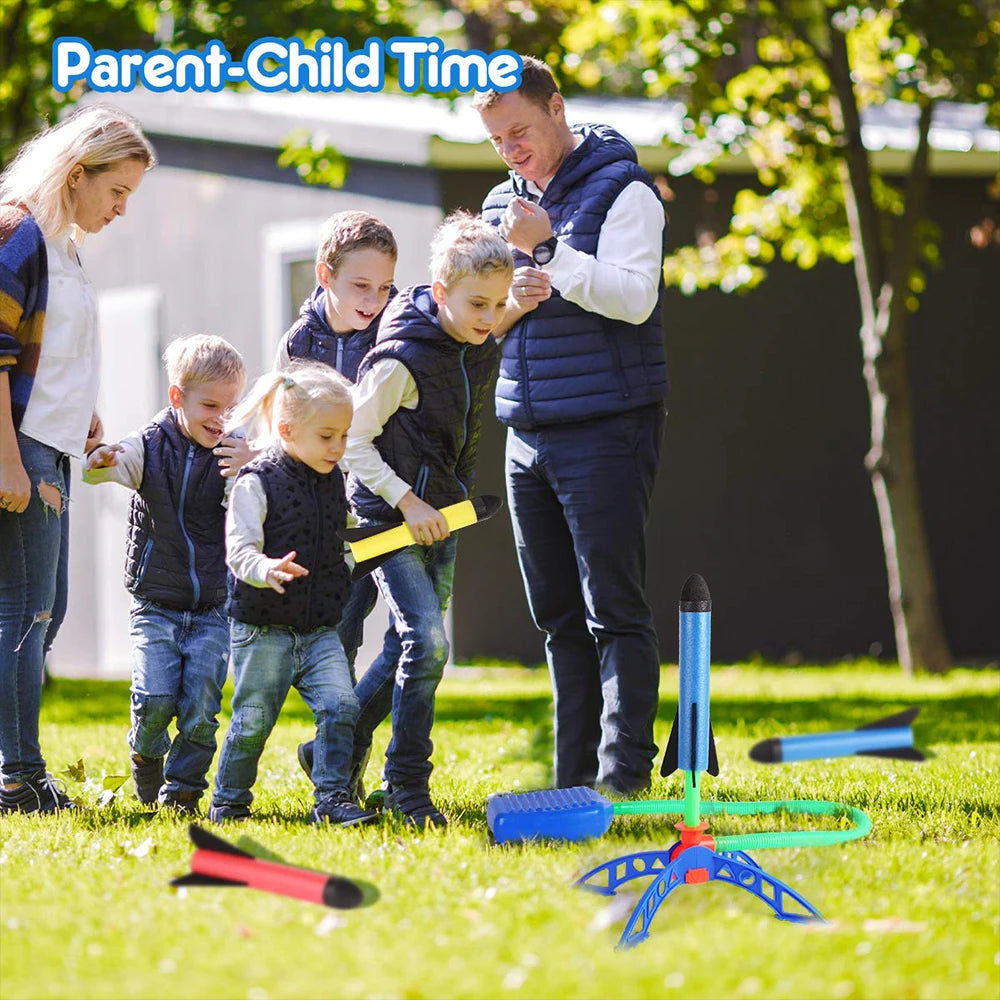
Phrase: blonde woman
{"type": "Point", "coordinates": [70, 180]}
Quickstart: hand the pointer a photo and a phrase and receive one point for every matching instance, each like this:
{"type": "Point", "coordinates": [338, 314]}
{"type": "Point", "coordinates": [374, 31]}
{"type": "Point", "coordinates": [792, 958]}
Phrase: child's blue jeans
{"type": "Point", "coordinates": [179, 664]}
{"type": "Point", "coordinates": [416, 584]}
{"type": "Point", "coordinates": [267, 661]}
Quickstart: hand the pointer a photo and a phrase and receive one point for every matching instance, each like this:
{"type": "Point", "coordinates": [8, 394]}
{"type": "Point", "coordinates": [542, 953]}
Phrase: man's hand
{"type": "Point", "coordinates": [282, 570]}
{"type": "Point", "coordinates": [103, 457]}
{"type": "Point", "coordinates": [234, 453]}
{"type": "Point", "coordinates": [427, 524]}
{"type": "Point", "coordinates": [525, 225]}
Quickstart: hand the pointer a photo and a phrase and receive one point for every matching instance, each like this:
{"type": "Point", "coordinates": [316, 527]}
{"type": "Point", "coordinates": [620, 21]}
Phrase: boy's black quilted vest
{"type": "Point", "coordinates": [176, 549]}
{"type": "Point", "coordinates": [304, 511]}
{"type": "Point", "coordinates": [433, 447]}
{"type": "Point", "coordinates": [311, 337]}
{"type": "Point", "coordinates": [561, 363]}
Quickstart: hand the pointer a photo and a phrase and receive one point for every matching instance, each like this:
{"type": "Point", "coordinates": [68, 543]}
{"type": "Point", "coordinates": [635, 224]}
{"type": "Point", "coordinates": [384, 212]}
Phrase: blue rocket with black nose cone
{"type": "Point", "coordinates": [691, 747]}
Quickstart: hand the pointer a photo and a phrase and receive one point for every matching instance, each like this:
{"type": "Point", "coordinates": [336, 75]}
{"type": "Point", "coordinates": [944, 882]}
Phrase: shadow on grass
{"type": "Point", "coordinates": [949, 719]}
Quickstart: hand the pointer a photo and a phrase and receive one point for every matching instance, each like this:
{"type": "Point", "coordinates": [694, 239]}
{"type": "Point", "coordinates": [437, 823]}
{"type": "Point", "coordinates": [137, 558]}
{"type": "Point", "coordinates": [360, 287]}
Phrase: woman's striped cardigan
{"type": "Point", "coordinates": [24, 290]}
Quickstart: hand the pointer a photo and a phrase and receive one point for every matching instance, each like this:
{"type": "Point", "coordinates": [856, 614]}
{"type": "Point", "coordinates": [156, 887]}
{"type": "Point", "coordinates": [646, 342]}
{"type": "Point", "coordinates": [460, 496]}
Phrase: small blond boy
{"type": "Point", "coordinates": [175, 569]}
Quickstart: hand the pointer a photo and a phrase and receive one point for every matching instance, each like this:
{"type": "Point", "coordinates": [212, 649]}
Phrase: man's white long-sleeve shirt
{"type": "Point", "coordinates": [622, 280]}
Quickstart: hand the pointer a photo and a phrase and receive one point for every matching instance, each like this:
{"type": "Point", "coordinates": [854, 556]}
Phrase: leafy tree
{"type": "Point", "coordinates": [784, 82]}
{"type": "Point", "coordinates": [29, 27]}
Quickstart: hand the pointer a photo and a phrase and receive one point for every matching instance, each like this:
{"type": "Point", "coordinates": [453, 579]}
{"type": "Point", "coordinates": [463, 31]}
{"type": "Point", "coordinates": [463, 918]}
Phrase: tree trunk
{"type": "Point", "coordinates": [891, 459]}
{"type": "Point", "coordinates": [893, 467]}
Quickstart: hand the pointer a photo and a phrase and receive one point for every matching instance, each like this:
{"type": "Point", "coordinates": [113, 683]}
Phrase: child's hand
{"type": "Point", "coordinates": [531, 285]}
{"type": "Point", "coordinates": [94, 433]}
{"type": "Point", "coordinates": [234, 453]}
{"type": "Point", "coordinates": [104, 457]}
{"type": "Point", "coordinates": [427, 524]}
{"type": "Point", "coordinates": [284, 569]}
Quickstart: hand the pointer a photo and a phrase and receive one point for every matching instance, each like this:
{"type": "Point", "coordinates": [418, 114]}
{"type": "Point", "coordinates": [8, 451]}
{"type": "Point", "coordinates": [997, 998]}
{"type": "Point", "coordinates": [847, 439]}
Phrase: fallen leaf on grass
{"type": "Point", "coordinates": [74, 772]}
{"type": "Point", "coordinates": [331, 922]}
{"type": "Point", "coordinates": [615, 912]}
{"type": "Point", "coordinates": [892, 925]}
{"type": "Point", "coordinates": [142, 850]}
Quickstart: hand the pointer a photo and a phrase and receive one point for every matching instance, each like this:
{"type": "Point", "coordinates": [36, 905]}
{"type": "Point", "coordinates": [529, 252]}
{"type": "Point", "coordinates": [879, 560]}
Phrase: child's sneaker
{"type": "Point", "coordinates": [305, 755]}
{"type": "Point", "coordinates": [147, 773]}
{"type": "Point", "coordinates": [183, 802]}
{"type": "Point", "coordinates": [340, 810]}
{"type": "Point", "coordinates": [355, 786]}
{"type": "Point", "coordinates": [226, 814]}
{"type": "Point", "coordinates": [39, 792]}
{"type": "Point", "coordinates": [414, 805]}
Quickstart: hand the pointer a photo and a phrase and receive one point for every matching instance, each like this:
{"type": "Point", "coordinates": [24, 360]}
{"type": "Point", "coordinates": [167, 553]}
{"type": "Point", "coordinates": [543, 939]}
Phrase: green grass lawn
{"type": "Point", "coordinates": [913, 910]}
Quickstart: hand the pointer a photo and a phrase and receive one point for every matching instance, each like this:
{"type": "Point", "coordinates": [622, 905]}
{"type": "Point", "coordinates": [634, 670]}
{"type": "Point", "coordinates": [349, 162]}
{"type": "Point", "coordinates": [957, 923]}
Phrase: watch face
{"type": "Point", "coordinates": [543, 252]}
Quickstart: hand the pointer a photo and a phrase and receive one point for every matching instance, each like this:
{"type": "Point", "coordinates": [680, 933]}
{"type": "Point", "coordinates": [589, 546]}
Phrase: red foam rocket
{"type": "Point", "coordinates": [218, 863]}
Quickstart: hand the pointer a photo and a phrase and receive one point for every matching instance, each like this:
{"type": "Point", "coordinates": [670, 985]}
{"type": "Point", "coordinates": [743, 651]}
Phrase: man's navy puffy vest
{"type": "Point", "coordinates": [311, 337]}
{"type": "Point", "coordinates": [304, 511]}
{"type": "Point", "coordinates": [176, 549]}
{"type": "Point", "coordinates": [433, 447]}
{"type": "Point", "coordinates": [561, 363]}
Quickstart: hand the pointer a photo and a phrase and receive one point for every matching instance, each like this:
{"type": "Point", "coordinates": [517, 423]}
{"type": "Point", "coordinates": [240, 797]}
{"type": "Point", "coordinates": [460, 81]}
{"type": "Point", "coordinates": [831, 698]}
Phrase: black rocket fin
{"type": "Point", "coordinates": [209, 842]}
{"type": "Point", "coordinates": [898, 721]}
{"type": "Point", "coordinates": [713, 760]}
{"type": "Point", "coordinates": [897, 753]}
{"type": "Point", "coordinates": [669, 764]}
{"type": "Point", "coordinates": [194, 879]}
{"type": "Point", "coordinates": [486, 506]}
{"type": "Point", "coordinates": [356, 534]}
{"type": "Point", "coordinates": [364, 568]}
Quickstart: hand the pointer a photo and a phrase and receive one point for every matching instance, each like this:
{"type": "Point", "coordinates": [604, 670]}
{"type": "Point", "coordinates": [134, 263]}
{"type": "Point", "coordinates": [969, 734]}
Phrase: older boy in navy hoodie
{"type": "Point", "coordinates": [337, 324]}
{"type": "Point", "coordinates": [176, 569]}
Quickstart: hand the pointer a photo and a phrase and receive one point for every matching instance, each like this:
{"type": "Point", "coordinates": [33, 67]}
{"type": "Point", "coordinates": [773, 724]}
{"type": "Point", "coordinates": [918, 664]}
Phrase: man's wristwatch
{"type": "Point", "coordinates": [544, 251]}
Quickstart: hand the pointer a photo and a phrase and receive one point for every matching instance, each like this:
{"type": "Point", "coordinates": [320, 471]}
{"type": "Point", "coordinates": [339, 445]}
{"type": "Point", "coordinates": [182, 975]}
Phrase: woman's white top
{"type": "Point", "coordinates": [64, 392]}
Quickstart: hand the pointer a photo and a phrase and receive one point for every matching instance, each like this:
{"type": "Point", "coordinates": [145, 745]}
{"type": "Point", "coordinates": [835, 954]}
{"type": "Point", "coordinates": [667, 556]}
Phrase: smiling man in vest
{"type": "Point", "coordinates": [581, 389]}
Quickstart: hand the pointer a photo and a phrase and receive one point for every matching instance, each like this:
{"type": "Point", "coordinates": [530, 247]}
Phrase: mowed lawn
{"type": "Point", "coordinates": [913, 910]}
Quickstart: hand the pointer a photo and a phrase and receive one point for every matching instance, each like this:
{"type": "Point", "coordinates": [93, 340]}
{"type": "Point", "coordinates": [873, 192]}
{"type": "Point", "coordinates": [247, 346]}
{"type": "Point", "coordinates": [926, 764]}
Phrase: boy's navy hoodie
{"type": "Point", "coordinates": [310, 337]}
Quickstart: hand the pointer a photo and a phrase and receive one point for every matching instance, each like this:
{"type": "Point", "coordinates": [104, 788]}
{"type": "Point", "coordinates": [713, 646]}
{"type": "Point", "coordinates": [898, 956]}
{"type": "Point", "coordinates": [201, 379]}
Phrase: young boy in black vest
{"type": "Point", "coordinates": [412, 450]}
{"type": "Point", "coordinates": [176, 569]}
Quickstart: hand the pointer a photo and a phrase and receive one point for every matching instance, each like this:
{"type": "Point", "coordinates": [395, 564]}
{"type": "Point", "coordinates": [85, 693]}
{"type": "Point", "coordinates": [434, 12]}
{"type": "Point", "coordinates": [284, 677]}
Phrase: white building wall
{"type": "Point", "coordinates": [195, 253]}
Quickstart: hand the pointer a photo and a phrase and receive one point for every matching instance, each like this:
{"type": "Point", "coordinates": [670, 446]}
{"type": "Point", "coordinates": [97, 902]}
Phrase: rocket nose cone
{"type": "Point", "coordinates": [695, 591]}
{"type": "Point", "coordinates": [766, 752]}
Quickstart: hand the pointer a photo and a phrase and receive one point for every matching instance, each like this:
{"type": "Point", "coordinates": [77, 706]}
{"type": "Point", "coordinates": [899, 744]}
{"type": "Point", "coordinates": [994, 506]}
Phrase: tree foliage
{"type": "Point", "coordinates": [784, 84]}
{"type": "Point", "coordinates": [756, 79]}
{"type": "Point", "coordinates": [29, 27]}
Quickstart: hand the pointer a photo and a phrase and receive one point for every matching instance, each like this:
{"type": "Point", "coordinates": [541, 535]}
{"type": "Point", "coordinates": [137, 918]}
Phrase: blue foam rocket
{"type": "Point", "coordinates": [888, 737]}
{"type": "Point", "coordinates": [691, 746]}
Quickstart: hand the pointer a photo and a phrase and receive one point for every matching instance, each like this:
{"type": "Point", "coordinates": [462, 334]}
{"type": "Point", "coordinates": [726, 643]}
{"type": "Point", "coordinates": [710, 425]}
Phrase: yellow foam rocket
{"type": "Point", "coordinates": [374, 543]}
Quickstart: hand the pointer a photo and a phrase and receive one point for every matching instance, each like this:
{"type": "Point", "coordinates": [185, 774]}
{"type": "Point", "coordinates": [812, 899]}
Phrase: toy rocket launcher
{"type": "Point", "coordinates": [373, 544]}
{"type": "Point", "coordinates": [888, 737]}
{"type": "Point", "coordinates": [218, 863]}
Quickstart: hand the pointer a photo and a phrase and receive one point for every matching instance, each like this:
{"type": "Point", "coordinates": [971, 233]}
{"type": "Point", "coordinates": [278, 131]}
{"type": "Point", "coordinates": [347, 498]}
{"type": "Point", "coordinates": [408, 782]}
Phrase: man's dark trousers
{"type": "Point", "coordinates": [579, 497]}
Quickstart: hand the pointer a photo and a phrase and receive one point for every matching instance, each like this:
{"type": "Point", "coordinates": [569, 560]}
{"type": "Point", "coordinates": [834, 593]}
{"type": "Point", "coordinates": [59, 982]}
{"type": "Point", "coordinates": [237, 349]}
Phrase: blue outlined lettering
{"type": "Point", "coordinates": [271, 64]}
{"type": "Point", "coordinates": [424, 62]}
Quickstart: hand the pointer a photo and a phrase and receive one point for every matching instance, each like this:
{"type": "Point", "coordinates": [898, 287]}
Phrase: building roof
{"type": "Point", "coordinates": [420, 130]}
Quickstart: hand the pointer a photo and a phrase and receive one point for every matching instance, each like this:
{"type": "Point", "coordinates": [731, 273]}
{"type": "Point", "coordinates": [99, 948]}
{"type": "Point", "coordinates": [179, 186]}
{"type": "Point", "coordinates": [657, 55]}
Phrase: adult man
{"type": "Point", "coordinates": [581, 388]}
